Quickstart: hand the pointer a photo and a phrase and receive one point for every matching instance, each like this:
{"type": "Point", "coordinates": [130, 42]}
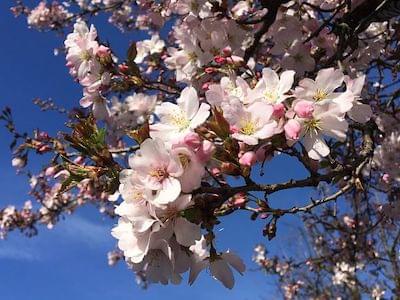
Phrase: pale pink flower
{"type": "Point", "coordinates": [359, 112]}
{"type": "Point", "coordinates": [322, 89]}
{"type": "Point", "coordinates": [248, 159]}
{"type": "Point", "coordinates": [193, 168]}
{"type": "Point", "coordinates": [158, 170]}
{"type": "Point", "coordinates": [253, 123]}
{"type": "Point", "coordinates": [272, 88]}
{"type": "Point", "coordinates": [186, 233]}
{"type": "Point", "coordinates": [149, 47]}
{"type": "Point", "coordinates": [327, 120]}
{"type": "Point", "coordinates": [176, 120]}
{"type": "Point", "coordinates": [220, 268]}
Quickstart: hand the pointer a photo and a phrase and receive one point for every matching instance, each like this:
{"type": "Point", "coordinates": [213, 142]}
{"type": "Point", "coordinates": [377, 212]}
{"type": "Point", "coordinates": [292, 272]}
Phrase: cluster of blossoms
{"type": "Point", "coordinates": [48, 16]}
{"type": "Point", "coordinates": [154, 230]}
{"type": "Point", "coordinates": [232, 84]}
{"type": "Point", "coordinates": [202, 41]}
{"type": "Point", "coordinates": [311, 111]}
{"type": "Point", "coordinates": [129, 114]}
{"type": "Point", "coordinates": [386, 157]}
{"type": "Point", "coordinates": [170, 166]}
{"type": "Point", "coordinates": [87, 61]}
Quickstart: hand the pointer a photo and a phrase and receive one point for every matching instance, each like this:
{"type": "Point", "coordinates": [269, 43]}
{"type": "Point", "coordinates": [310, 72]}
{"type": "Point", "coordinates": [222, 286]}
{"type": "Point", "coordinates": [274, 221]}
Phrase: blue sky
{"type": "Point", "coordinates": [69, 262]}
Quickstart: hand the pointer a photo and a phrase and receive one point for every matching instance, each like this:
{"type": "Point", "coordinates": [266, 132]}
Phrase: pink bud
{"type": "Point", "coordinates": [192, 140]}
{"type": "Point", "coordinates": [248, 159]}
{"type": "Point", "coordinates": [103, 51]}
{"type": "Point", "coordinates": [123, 68]}
{"type": "Point", "coordinates": [279, 110]}
{"type": "Point", "coordinates": [209, 70]}
{"type": "Point", "coordinates": [386, 178]}
{"type": "Point", "coordinates": [233, 129]}
{"type": "Point", "coordinates": [304, 109]}
{"type": "Point", "coordinates": [216, 171]}
{"type": "Point", "coordinates": [79, 160]}
{"type": "Point", "coordinates": [219, 59]}
{"type": "Point", "coordinates": [227, 51]}
{"type": "Point", "coordinates": [239, 200]}
{"type": "Point", "coordinates": [205, 151]}
{"type": "Point", "coordinates": [292, 129]}
{"type": "Point", "coordinates": [205, 86]}
{"type": "Point", "coordinates": [43, 149]}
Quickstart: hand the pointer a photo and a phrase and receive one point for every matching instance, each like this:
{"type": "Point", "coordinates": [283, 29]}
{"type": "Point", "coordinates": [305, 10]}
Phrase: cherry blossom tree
{"type": "Point", "coordinates": [215, 92]}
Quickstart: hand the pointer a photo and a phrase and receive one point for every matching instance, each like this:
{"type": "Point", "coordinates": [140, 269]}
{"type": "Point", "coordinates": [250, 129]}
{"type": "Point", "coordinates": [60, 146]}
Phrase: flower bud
{"type": "Point", "coordinates": [227, 51]}
{"type": "Point", "coordinates": [103, 51]}
{"type": "Point", "coordinates": [248, 159]}
{"type": "Point", "coordinates": [123, 68]}
{"type": "Point", "coordinates": [304, 109]}
{"type": "Point", "coordinates": [205, 151]}
{"type": "Point", "coordinates": [209, 70]}
{"type": "Point", "coordinates": [279, 110]}
{"type": "Point", "coordinates": [292, 129]}
{"type": "Point", "coordinates": [192, 140]}
{"type": "Point", "coordinates": [50, 171]}
{"type": "Point", "coordinates": [220, 60]}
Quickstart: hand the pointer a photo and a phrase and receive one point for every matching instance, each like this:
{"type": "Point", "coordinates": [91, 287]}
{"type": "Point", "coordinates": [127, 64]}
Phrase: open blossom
{"type": "Point", "coordinates": [193, 168]}
{"type": "Point", "coordinates": [98, 102]}
{"type": "Point", "coordinates": [298, 58]}
{"type": "Point", "coordinates": [195, 7]}
{"type": "Point", "coordinates": [148, 47]}
{"type": "Point", "coordinates": [359, 112]}
{"type": "Point", "coordinates": [322, 90]}
{"type": "Point", "coordinates": [158, 170]}
{"type": "Point", "coordinates": [386, 156]}
{"type": "Point", "coordinates": [344, 274]}
{"type": "Point", "coordinates": [176, 120]}
{"type": "Point", "coordinates": [253, 123]}
{"type": "Point", "coordinates": [228, 89]}
{"type": "Point", "coordinates": [219, 266]}
{"type": "Point", "coordinates": [186, 233]}
{"type": "Point", "coordinates": [326, 120]}
{"type": "Point", "coordinates": [82, 47]}
{"type": "Point", "coordinates": [272, 88]}
{"type": "Point", "coordinates": [48, 16]}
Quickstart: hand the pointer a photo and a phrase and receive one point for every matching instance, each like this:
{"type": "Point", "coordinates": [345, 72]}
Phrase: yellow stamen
{"type": "Point", "coordinates": [312, 126]}
{"type": "Point", "coordinates": [320, 95]}
{"type": "Point", "coordinates": [248, 127]}
{"type": "Point", "coordinates": [159, 174]}
{"type": "Point", "coordinates": [184, 159]}
{"type": "Point", "coordinates": [180, 121]}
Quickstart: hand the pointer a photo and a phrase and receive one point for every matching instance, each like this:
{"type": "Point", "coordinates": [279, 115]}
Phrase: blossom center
{"type": "Point", "coordinates": [85, 55]}
{"type": "Point", "coordinates": [271, 96]}
{"type": "Point", "coordinates": [159, 174]}
{"type": "Point", "coordinates": [248, 127]}
{"type": "Point", "coordinates": [192, 56]}
{"type": "Point", "coordinates": [137, 195]}
{"type": "Point", "coordinates": [312, 126]}
{"type": "Point", "coordinates": [184, 159]}
{"type": "Point", "coordinates": [320, 95]}
{"type": "Point", "coordinates": [180, 121]}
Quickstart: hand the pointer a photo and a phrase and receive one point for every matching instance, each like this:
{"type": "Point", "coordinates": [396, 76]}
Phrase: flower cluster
{"type": "Point", "coordinates": [87, 61]}
{"type": "Point", "coordinates": [48, 16]}
{"type": "Point", "coordinates": [232, 84]}
{"type": "Point", "coordinates": [314, 109]}
{"type": "Point", "coordinates": [155, 231]}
